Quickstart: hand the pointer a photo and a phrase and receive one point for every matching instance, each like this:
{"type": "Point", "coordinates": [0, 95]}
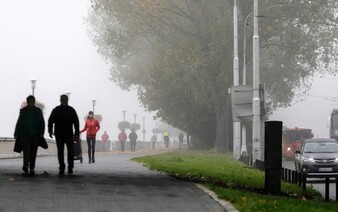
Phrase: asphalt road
{"type": "Point", "coordinates": [113, 183]}
{"type": "Point", "coordinates": [318, 186]}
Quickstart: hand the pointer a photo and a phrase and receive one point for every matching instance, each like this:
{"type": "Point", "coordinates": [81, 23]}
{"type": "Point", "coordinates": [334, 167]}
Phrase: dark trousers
{"type": "Point", "coordinates": [180, 144]}
{"type": "Point", "coordinates": [133, 146]}
{"type": "Point", "coordinates": [123, 145]}
{"type": "Point", "coordinates": [91, 148]}
{"type": "Point", "coordinates": [60, 143]}
{"type": "Point", "coordinates": [30, 146]}
{"type": "Point", "coordinates": [153, 144]}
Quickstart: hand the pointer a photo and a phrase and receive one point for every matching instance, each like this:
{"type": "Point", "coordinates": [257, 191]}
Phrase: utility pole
{"type": "Point", "coordinates": [236, 124]}
{"type": "Point", "coordinates": [256, 125]}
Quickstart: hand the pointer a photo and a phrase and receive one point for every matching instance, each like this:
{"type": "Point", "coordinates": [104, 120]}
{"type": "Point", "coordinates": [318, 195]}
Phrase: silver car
{"type": "Point", "coordinates": [317, 156]}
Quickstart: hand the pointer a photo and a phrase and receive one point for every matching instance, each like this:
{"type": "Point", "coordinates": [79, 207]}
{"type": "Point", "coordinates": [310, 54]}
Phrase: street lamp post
{"type": "Point", "coordinates": [236, 124]}
{"type": "Point", "coordinates": [68, 93]}
{"type": "Point", "coordinates": [124, 115]}
{"type": "Point", "coordinates": [256, 128]}
{"type": "Point", "coordinates": [33, 84]}
{"type": "Point", "coordinates": [135, 118]}
{"type": "Point", "coordinates": [144, 128]}
{"type": "Point", "coordinates": [93, 103]}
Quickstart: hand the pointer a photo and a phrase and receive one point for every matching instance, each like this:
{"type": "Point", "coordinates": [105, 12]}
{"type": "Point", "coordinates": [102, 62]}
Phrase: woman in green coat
{"type": "Point", "coordinates": [29, 129]}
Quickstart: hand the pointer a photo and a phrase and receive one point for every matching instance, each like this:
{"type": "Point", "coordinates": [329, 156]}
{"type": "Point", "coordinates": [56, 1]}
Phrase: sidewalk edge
{"type": "Point", "coordinates": [225, 204]}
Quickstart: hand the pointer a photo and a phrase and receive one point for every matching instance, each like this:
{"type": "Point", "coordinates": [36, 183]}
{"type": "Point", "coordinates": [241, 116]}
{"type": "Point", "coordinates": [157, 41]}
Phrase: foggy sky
{"type": "Point", "coordinates": [47, 39]}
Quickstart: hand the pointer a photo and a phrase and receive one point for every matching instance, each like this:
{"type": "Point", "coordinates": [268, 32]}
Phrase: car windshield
{"type": "Point", "coordinates": [325, 147]}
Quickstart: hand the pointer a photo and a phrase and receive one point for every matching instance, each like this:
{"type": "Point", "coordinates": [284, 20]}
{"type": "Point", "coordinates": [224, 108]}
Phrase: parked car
{"type": "Point", "coordinates": [317, 156]}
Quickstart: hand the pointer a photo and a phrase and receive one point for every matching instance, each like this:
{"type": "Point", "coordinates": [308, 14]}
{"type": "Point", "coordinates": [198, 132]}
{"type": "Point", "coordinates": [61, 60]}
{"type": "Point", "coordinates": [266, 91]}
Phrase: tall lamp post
{"type": "Point", "coordinates": [144, 128]}
{"type": "Point", "coordinates": [256, 125]}
{"type": "Point", "coordinates": [236, 124]}
{"type": "Point", "coordinates": [124, 115]}
{"type": "Point", "coordinates": [33, 84]}
{"type": "Point", "coordinates": [93, 103]}
{"type": "Point", "coordinates": [135, 118]}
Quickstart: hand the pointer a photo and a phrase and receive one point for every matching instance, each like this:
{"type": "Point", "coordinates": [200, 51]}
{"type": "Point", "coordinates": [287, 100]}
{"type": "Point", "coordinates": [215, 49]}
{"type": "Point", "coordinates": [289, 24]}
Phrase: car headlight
{"type": "Point", "coordinates": [308, 159]}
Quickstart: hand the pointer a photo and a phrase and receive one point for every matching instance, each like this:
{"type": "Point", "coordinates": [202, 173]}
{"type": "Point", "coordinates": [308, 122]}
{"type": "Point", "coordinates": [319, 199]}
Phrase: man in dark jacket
{"type": "Point", "coordinates": [64, 118]}
{"type": "Point", "coordinates": [30, 127]}
{"type": "Point", "coordinates": [133, 138]}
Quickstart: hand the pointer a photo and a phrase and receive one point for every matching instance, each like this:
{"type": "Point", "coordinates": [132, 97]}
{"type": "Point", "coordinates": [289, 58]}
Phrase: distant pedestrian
{"type": "Point", "coordinates": [92, 126]}
{"type": "Point", "coordinates": [104, 139]}
{"type": "Point", "coordinates": [153, 141]}
{"type": "Point", "coordinates": [166, 138]}
{"type": "Point", "coordinates": [180, 140]}
{"type": "Point", "coordinates": [65, 122]}
{"type": "Point", "coordinates": [30, 127]}
{"type": "Point", "coordinates": [133, 138]}
{"type": "Point", "coordinates": [122, 139]}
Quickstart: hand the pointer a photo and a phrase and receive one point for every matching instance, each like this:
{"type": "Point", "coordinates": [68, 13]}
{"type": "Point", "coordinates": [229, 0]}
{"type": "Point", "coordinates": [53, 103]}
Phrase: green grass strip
{"type": "Point", "coordinates": [236, 182]}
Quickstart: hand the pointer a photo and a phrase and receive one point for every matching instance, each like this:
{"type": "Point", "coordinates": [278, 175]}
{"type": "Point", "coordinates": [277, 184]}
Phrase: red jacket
{"type": "Point", "coordinates": [91, 127]}
{"type": "Point", "coordinates": [122, 137]}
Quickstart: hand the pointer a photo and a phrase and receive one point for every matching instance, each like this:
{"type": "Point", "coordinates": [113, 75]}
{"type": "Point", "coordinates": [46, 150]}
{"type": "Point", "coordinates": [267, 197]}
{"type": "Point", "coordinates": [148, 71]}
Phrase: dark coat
{"type": "Point", "coordinates": [30, 122]}
{"type": "Point", "coordinates": [64, 118]}
{"type": "Point", "coordinates": [133, 136]}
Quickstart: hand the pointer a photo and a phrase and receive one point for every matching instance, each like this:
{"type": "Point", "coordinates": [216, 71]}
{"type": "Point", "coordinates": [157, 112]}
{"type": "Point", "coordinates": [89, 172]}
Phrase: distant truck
{"type": "Point", "coordinates": [292, 140]}
{"type": "Point", "coordinates": [333, 124]}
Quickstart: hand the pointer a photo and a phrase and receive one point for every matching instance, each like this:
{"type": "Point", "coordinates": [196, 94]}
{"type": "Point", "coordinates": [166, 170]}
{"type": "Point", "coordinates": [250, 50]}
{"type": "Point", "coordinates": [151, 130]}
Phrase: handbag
{"type": "Point", "coordinates": [18, 146]}
{"type": "Point", "coordinates": [43, 143]}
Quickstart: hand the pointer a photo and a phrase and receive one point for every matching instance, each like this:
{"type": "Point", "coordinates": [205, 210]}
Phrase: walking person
{"type": "Point", "coordinates": [180, 140]}
{"type": "Point", "coordinates": [104, 139]}
{"type": "Point", "coordinates": [122, 139]}
{"type": "Point", "coordinates": [92, 126]}
{"type": "Point", "coordinates": [153, 141]}
{"type": "Point", "coordinates": [166, 138]}
{"type": "Point", "coordinates": [133, 138]}
{"type": "Point", "coordinates": [29, 129]}
{"type": "Point", "coordinates": [65, 122]}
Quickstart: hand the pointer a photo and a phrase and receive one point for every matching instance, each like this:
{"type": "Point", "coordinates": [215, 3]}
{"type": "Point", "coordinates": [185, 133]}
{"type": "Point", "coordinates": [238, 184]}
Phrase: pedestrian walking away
{"type": "Point", "coordinates": [122, 139]}
{"type": "Point", "coordinates": [64, 124]}
{"type": "Point", "coordinates": [166, 138]}
{"type": "Point", "coordinates": [92, 126]}
{"type": "Point", "coordinates": [133, 138]}
{"type": "Point", "coordinates": [29, 130]}
{"type": "Point", "coordinates": [104, 139]}
{"type": "Point", "coordinates": [153, 141]}
{"type": "Point", "coordinates": [180, 140]}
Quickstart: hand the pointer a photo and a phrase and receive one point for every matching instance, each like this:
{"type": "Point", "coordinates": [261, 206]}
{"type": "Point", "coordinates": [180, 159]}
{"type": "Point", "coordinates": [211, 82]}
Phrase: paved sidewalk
{"type": "Point", "coordinates": [113, 183]}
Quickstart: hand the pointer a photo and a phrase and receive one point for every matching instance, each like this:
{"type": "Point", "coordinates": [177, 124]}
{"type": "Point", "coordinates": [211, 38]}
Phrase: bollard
{"type": "Point", "coordinates": [273, 156]}
{"type": "Point", "coordinates": [327, 189]}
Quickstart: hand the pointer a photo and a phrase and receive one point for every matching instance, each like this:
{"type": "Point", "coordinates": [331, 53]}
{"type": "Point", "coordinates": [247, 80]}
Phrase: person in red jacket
{"type": "Point", "coordinates": [92, 126]}
{"type": "Point", "coordinates": [122, 138]}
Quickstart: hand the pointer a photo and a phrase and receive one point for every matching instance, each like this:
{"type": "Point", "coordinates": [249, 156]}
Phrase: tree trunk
{"type": "Point", "coordinates": [221, 136]}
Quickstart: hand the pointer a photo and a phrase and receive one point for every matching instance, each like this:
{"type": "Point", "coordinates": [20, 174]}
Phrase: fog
{"type": "Point", "coordinates": [48, 40]}
{"type": "Point", "coordinates": [315, 110]}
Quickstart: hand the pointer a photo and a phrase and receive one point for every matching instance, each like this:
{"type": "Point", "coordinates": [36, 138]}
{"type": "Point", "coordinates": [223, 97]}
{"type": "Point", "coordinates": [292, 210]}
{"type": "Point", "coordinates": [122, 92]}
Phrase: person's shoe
{"type": "Point", "coordinates": [61, 172]}
{"type": "Point", "coordinates": [70, 171]}
{"type": "Point", "coordinates": [93, 161]}
{"type": "Point", "coordinates": [25, 169]}
{"type": "Point", "coordinates": [31, 171]}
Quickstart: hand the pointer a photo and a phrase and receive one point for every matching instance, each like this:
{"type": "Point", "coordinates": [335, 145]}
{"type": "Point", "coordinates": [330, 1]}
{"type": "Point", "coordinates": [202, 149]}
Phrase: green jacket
{"type": "Point", "coordinates": [30, 122]}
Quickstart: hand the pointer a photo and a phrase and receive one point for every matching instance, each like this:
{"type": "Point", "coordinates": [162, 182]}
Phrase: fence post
{"type": "Point", "coordinates": [304, 181]}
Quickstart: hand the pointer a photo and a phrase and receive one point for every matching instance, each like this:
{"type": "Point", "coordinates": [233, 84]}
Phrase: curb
{"type": "Point", "coordinates": [225, 204]}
